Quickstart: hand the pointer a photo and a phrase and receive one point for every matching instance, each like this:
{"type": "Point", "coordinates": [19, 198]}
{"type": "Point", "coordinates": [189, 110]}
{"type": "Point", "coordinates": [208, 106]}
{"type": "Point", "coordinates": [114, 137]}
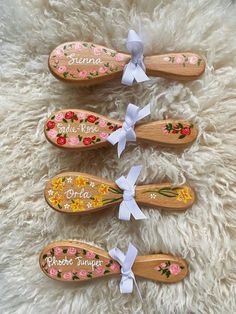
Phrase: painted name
{"type": "Point", "coordinates": [74, 60]}
{"type": "Point", "coordinates": [53, 261]}
{"type": "Point", "coordinates": [84, 128]}
{"type": "Point", "coordinates": [72, 194]}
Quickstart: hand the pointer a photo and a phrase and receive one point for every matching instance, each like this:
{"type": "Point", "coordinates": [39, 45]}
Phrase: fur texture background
{"type": "Point", "coordinates": [204, 235]}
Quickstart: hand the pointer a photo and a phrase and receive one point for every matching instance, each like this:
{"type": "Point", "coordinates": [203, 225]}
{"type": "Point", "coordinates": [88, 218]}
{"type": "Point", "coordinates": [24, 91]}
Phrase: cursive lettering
{"type": "Point", "coordinates": [52, 261]}
{"type": "Point", "coordinates": [74, 60]}
{"type": "Point", "coordinates": [85, 262]}
{"type": "Point", "coordinates": [72, 194]}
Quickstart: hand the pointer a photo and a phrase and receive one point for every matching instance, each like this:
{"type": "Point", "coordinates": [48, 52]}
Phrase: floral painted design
{"type": "Point", "coordinates": [180, 129]}
{"type": "Point", "coordinates": [168, 269]}
{"type": "Point", "coordinates": [72, 129]}
{"type": "Point", "coordinates": [90, 264]}
{"type": "Point", "coordinates": [184, 60]}
{"type": "Point", "coordinates": [70, 61]}
{"type": "Point", "coordinates": [180, 194]}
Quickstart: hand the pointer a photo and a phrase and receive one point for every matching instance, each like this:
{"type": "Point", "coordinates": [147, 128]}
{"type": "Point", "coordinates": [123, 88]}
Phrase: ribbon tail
{"type": "Point", "coordinates": [127, 285]}
{"type": "Point", "coordinates": [127, 77]}
{"type": "Point", "coordinates": [124, 213]}
{"type": "Point", "coordinates": [139, 74]}
{"type": "Point", "coordinates": [133, 174]}
{"type": "Point", "coordinates": [135, 210]}
{"type": "Point", "coordinates": [121, 146]}
{"type": "Point", "coordinates": [114, 137]}
{"type": "Point", "coordinates": [145, 111]}
{"type": "Point", "coordinates": [139, 293]}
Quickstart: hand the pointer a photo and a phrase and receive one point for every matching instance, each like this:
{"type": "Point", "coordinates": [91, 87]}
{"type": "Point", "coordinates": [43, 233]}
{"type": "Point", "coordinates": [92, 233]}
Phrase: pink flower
{"type": "Point", "coordinates": [102, 123]}
{"type": "Point", "coordinates": [71, 251]}
{"type": "Point", "coordinates": [99, 270]}
{"type": "Point", "coordinates": [59, 52]}
{"type": "Point", "coordinates": [61, 69]}
{"type": "Point", "coordinates": [81, 115]}
{"type": "Point", "coordinates": [90, 254]}
{"type": "Point", "coordinates": [83, 273]}
{"type": "Point", "coordinates": [67, 275]}
{"type": "Point", "coordinates": [115, 267]}
{"type": "Point", "coordinates": [52, 133]}
{"type": "Point", "coordinates": [83, 74]}
{"type": "Point", "coordinates": [157, 268]}
{"type": "Point", "coordinates": [58, 251]}
{"type": "Point", "coordinates": [102, 70]}
{"type": "Point", "coordinates": [73, 140]}
{"type": "Point", "coordinates": [174, 269]}
{"type": "Point", "coordinates": [119, 57]}
{"type": "Point", "coordinates": [163, 128]}
{"type": "Point", "coordinates": [97, 51]}
{"type": "Point", "coordinates": [103, 135]}
{"type": "Point", "coordinates": [163, 265]}
{"type": "Point", "coordinates": [78, 47]}
{"type": "Point", "coordinates": [193, 59]}
{"type": "Point", "coordinates": [59, 117]}
{"type": "Point", "coordinates": [52, 272]}
{"type": "Point", "coordinates": [179, 59]}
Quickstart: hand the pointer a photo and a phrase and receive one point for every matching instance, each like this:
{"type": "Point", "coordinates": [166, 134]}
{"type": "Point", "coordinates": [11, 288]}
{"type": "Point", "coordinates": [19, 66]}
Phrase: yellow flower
{"type": "Point", "coordinates": [56, 199]}
{"type": "Point", "coordinates": [80, 181]}
{"type": "Point", "coordinates": [77, 205]}
{"type": "Point", "coordinates": [58, 184]}
{"type": "Point", "coordinates": [103, 189]}
{"type": "Point", "coordinates": [183, 195]}
{"type": "Point", "coordinates": [97, 201]}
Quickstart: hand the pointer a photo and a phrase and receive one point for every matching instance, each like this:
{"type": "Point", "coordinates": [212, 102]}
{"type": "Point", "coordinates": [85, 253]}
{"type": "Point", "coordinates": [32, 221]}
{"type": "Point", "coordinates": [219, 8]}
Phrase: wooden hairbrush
{"type": "Point", "coordinates": [81, 193]}
{"type": "Point", "coordinates": [74, 261]}
{"type": "Point", "coordinates": [80, 129]}
{"type": "Point", "coordinates": [88, 64]}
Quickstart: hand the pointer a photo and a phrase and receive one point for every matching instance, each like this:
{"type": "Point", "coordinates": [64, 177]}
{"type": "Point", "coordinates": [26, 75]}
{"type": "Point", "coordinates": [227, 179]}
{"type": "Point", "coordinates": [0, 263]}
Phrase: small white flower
{"type": "Point", "coordinates": [66, 206]}
{"type": "Point", "coordinates": [50, 192]}
{"type": "Point", "coordinates": [89, 205]}
{"type": "Point", "coordinates": [153, 195]}
{"type": "Point", "coordinates": [92, 184]}
{"type": "Point", "coordinates": [69, 180]}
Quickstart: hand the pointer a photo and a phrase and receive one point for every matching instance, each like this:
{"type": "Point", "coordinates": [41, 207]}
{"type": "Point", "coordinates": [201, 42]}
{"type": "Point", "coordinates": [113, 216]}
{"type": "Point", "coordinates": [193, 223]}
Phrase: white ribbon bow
{"type": "Point", "coordinates": [126, 133]}
{"type": "Point", "coordinates": [126, 262]}
{"type": "Point", "coordinates": [135, 69]}
{"type": "Point", "coordinates": [129, 205]}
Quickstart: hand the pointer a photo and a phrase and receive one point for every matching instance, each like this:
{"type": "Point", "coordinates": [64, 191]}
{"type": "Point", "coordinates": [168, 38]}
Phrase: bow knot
{"type": "Point", "coordinates": [135, 69]}
{"type": "Point", "coordinates": [129, 206]}
{"type": "Point", "coordinates": [127, 133]}
{"type": "Point", "coordinates": [126, 262]}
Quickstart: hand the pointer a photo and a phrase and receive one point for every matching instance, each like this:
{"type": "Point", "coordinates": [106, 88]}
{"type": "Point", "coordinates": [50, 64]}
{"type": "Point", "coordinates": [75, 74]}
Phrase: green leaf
{"type": "Point", "coordinates": [98, 140]}
{"type": "Point", "coordinates": [53, 117]}
{"type": "Point", "coordinates": [59, 275]}
{"type": "Point", "coordinates": [97, 256]}
{"type": "Point", "coordinates": [65, 251]}
{"type": "Point", "coordinates": [64, 120]}
{"type": "Point", "coordinates": [180, 125]}
{"type": "Point", "coordinates": [109, 123]}
{"type": "Point", "coordinates": [96, 123]}
{"type": "Point", "coordinates": [106, 271]}
{"type": "Point", "coordinates": [84, 251]}
{"type": "Point", "coordinates": [181, 136]}
{"type": "Point", "coordinates": [108, 265]}
{"type": "Point", "coordinates": [89, 276]}
{"type": "Point", "coordinates": [168, 273]}
{"type": "Point", "coordinates": [182, 267]}
{"type": "Point", "coordinates": [65, 74]}
{"type": "Point", "coordinates": [44, 256]}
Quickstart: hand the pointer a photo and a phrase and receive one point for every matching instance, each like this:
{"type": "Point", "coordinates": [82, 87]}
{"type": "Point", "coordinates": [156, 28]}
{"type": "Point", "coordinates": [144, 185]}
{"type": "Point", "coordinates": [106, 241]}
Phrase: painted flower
{"type": "Point", "coordinates": [56, 199]}
{"type": "Point", "coordinates": [102, 70]}
{"type": "Point", "coordinates": [61, 140]}
{"type": "Point", "coordinates": [83, 273]}
{"type": "Point", "coordinates": [80, 181]}
{"type": "Point", "coordinates": [103, 189]}
{"type": "Point", "coordinates": [91, 118]}
{"type": "Point", "coordinates": [50, 192]}
{"type": "Point", "coordinates": [83, 74]}
{"type": "Point", "coordinates": [99, 270]}
{"type": "Point", "coordinates": [103, 135]}
{"type": "Point", "coordinates": [73, 140]}
{"type": "Point", "coordinates": [163, 265]}
{"type": "Point", "coordinates": [97, 201]}
{"type": "Point", "coordinates": [66, 206]}
{"type": "Point", "coordinates": [51, 125]}
{"type": "Point", "coordinates": [52, 272]}
{"type": "Point", "coordinates": [115, 267]}
{"type": "Point", "coordinates": [78, 47]}
{"type": "Point", "coordinates": [92, 184]}
{"type": "Point", "coordinates": [77, 205]}
{"type": "Point", "coordinates": [52, 133]}
{"type": "Point", "coordinates": [81, 115]}
{"type": "Point", "coordinates": [153, 195]}
{"type": "Point", "coordinates": [157, 268]}
{"type": "Point", "coordinates": [59, 117]}
{"type": "Point", "coordinates": [102, 123]}
{"type": "Point", "coordinates": [193, 59]}
{"type": "Point", "coordinates": [67, 275]}
{"type": "Point", "coordinates": [61, 69]}
{"type": "Point", "coordinates": [90, 254]}
{"type": "Point", "coordinates": [69, 115]}
{"type": "Point", "coordinates": [166, 59]}
{"type": "Point", "coordinates": [119, 57]}
{"type": "Point", "coordinates": [179, 59]}
{"type": "Point", "coordinates": [59, 52]}
{"type": "Point", "coordinates": [58, 184]}
{"type": "Point", "coordinates": [58, 251]}
{"type": "Point", "coordinates": [174, 269]}
{"type": "Point", "coordinates": [71, 251]}
{"type": "Point", "coordinates": [185, 131]}
{"type": "Point", "coordinates": [87, 141]}
{"type": "Point", "coordinates": [163, 128]}
{"type": "Point", "coordinates": [97, 51]}
{"type": "Point", "coordinates": [183, 195]}
{"type": "Point", "coordinates": [89, 205]}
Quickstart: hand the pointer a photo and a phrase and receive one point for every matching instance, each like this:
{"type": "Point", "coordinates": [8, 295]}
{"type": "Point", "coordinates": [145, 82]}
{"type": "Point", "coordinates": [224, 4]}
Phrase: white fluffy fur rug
{"type": "Point", "coordinates": [204, 235]}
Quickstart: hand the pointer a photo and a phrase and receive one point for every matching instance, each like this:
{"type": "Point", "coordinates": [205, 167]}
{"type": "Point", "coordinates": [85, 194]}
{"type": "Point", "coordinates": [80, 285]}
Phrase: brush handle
{"type": "Point", "coordinates": [88, 64]}
{"type": "Point", "coordinates": [82, 130]}
{"type": "Point", "coordinates": [75, 261]}
{"type": "Point", "coordinates": [80, 193]}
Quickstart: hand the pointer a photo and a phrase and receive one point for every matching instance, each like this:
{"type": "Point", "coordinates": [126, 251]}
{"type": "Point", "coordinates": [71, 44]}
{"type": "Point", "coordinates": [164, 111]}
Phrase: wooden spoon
{"type": "Point", "coordinates": [80, 129]}
{"type": "Point", "coordinates": [75, 261]}
{"type": "Point", "coordinates": [81, 193]}
{"type": "Point", "coordinates": [88, 64]}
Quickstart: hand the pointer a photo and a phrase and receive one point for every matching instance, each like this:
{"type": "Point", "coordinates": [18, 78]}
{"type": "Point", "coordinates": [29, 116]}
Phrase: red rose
{"type": "Point", "coordinates": [93, 138]}
{"type": "Point", "coordinates": [51, 125]}
{"type": "Point", "coordinates": [69, 115]}
{"type": "Point", "coordinates": [185, 131]}
{"type": "Point", "coordinates": [174, 131]}
{"type": "Point", "coordinates": [61, 140]}
{"type": "Point", "coordinates": [87, 141]}
{"type": "Point", "coordinates": [75, 118]}
{"type": "Point", "coordinates": [91, 119]}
